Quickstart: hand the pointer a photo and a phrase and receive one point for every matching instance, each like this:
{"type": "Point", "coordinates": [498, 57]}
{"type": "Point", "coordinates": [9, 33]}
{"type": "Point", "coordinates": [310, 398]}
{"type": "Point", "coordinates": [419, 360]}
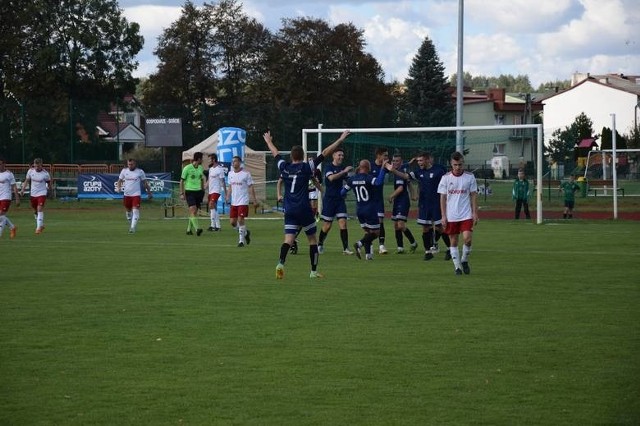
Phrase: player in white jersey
{"type": "Point", "coordinates": [217, 186]}
{"type": "Point", "coordinates": [38, 181]}
{"type": "Point", "coordinates": [131, 177]}
{"type": "Point", "coordinates": [240, 191]}
{"type": "Point", "coordinates": [7, 187]}
{"type": "Point", "coordinates": [459, 206]}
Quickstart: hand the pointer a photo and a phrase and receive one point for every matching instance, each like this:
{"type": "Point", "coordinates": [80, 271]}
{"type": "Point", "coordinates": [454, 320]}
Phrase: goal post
{"type": "Point", "coordinates": [515, 128]}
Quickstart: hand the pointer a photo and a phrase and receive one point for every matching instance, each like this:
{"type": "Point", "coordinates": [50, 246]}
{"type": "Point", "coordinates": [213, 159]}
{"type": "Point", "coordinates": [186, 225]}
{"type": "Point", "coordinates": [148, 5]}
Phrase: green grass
{"type": "Point", "coordinates": [102, 327]}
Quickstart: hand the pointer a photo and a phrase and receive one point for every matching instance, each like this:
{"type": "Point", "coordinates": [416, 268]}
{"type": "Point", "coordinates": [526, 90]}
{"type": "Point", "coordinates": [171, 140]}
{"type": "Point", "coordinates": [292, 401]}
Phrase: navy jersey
{"type": "Point", "coordinates": [378, 190]}
{"type": "Point", "coordinates": [403, 197]}
{"type": "Point", "coordinates": [333, 187]}
{"type": "Point", "coordinates": [428, 180]}
{"type": "Point", "coordinates": [296, 178]}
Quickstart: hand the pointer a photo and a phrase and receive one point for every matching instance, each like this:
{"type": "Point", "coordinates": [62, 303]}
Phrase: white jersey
{"type": "Point", "coordinates": [458, 190]}
{"type": "Point", "coordinates": [240, 183]}
{"type": "Point", "coordinates": [39, 181]}
{"type": "Point", "coordinates": [216, 178]}
{"type": "Point", "coordinates": [7, 180]}
{"type": "Point", "coordinates": [132, 180]}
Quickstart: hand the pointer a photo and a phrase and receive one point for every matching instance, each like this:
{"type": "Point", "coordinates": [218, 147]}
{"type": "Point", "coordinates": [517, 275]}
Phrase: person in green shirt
{"type": "Point", "coordinates": [520, 194]}
{"type": "Point", "coordinates": [569, 189]}
{"type": "Point", "coordinates": [192, 190]}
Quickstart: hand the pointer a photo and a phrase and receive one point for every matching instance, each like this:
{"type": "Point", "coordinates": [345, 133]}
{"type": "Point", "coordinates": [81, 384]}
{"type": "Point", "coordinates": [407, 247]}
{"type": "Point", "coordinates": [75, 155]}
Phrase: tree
{"type": "Point", "coordinates": [606, 139]}
{"type": "Point", "coordinates": [519, 83]}
{"type": "Point", "coordinates": [320, 74]}
{"type": "Point", "coordinates": [428, 98]}
{"type": "Point", "coordinates": [66, 61]}
{"type": "Point", "coordinates": [563, 141]}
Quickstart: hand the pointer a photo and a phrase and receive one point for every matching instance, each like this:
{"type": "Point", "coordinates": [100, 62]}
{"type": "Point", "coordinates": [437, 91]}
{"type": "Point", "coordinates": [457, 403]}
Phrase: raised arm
{"type": "Point", "coordinates": [267, 138]}
{"type": "Point", "coordinates": [329, 150]}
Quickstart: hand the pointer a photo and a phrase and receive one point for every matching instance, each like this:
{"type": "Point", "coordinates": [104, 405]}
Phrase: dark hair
{"type": "Point", "coordinates": [238, 157]}
{"type": "Point", "coordinates": [297, 153]}
{"type": "Point", "coordinates": [425, 154]}
{"type": "Point", "coordinates": [457, 156]}
{"type": "Point", "coordinates": [381, 150]}
{"type": "Point", "coordinates": [197, 156]}
{"type": "Point", "coordinates": [214, 157]}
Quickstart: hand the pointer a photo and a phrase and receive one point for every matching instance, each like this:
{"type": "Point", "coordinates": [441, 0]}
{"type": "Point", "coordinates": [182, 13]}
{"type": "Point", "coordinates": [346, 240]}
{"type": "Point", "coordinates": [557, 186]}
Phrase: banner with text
{"type": "Point", "coordinates": [103, 185]}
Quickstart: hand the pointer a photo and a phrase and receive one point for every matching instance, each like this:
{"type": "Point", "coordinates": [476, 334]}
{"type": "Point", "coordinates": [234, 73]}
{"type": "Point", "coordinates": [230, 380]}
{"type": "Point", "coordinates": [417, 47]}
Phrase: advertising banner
{"type": "Point", "coordinates": [103, 185]}
{"type": "Point", "coordinates": [231, 143]}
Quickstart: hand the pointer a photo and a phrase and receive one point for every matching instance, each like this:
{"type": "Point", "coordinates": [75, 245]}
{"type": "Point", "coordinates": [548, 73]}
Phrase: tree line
{"type": "Point", "coordinates": [62, 63]}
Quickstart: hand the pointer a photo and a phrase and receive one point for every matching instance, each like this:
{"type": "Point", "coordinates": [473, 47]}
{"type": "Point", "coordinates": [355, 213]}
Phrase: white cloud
{"type": "Point", "coordinates": [519, 16]}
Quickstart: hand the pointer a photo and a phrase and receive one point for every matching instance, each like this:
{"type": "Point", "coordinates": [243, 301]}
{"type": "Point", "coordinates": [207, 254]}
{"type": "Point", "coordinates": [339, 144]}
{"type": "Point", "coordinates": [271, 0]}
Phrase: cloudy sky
{"type": "Point", "coordinates": [546, 39]}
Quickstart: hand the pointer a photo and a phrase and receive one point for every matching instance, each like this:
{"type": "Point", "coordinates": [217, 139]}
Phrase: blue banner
{"type": "Point", "coordinates": [103, 185]}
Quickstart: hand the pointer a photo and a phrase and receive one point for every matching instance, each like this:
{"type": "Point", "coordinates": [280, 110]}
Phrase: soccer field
{"type": "Point", "coordinates": [103, 327]}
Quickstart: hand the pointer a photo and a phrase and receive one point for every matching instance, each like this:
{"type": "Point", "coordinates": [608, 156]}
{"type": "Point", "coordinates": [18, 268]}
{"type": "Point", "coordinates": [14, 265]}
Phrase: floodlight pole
{"type": "Point", "coordinates": [614, 170]}
{"type": "Point", "coordinates": [460, 79]}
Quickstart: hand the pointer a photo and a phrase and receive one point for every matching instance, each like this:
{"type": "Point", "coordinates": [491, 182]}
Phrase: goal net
{"type": "Point", "coordinates": [492, 153]}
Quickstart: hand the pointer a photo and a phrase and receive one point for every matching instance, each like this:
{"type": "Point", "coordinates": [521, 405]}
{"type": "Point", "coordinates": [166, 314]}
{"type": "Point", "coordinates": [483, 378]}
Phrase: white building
{"type": "Point", "coordinates": [597, 97]}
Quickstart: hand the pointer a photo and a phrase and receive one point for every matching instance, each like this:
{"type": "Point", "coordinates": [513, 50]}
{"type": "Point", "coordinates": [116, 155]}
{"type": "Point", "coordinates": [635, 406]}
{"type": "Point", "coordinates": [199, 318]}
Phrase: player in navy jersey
{"type": "Point", "coordinates": [333, 205]}
{"type": "Point", "coordinates": [382, 157]}
{"type": "Point", "coordinates": [401, 200]}
{"type": "Point", "coordinates": [295, 175]}
{"type": "Point", "coordinates": [428, 176]}
{"type": "Point", "coordinates": [364, 185]}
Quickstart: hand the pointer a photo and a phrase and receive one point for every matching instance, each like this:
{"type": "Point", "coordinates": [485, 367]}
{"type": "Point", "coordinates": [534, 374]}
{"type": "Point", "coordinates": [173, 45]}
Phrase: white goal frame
{"type": "Point", "coordinates": [539, 147]}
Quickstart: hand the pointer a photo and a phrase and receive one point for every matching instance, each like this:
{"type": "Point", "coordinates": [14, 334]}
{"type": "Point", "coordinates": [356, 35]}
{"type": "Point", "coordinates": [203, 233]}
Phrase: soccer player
{"type": "Point", "coordinates": [240, 187]}
{"type": "Point", "coordinates": [132, 177]}
{"type": "Point", "coordinates": [459, 207]}
{"type": "Point", "coordinates": [428, 177]}
{"type": "Point", "coordinates": [216, 185]}
{"type": "Point", "coordinates": [367, 206]}
{"type": "Point", "coordinates": [192, 190]}
{"type": "Point", "coordinates": [297, 210]}
{"type": "Point", "coordinates": [569, 189]}
{"type": "Point", "coordinates": [7, 187]}
{"type": "Point", "coordinates": [333, 205]}
{"type": "Point", "coordinates": [38, 180]}
{"type": "Point", "coordinates": [401, 200]}
{"type": "Point", "coordinates": [382, 157]}
{"type": "Point", "coordinates": [520, 194]}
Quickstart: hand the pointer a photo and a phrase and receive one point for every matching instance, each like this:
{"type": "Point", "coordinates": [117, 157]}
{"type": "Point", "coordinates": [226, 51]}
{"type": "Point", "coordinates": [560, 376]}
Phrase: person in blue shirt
{"type": "Point", "coordinates": [364, 186]}
{"type": "Point", "coordinates": [333, 204]}
{"type": "Point", "coordinates": [382, 158]}
{"type": "Point", "coordinates": [428, 176]}
{"type": "Point", "coordinates": [298, 213]}
{"type": "Point", "coordinates": [400, 198]}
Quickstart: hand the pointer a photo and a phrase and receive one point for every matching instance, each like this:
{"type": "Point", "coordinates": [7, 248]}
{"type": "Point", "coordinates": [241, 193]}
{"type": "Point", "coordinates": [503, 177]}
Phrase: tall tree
{"type": "Point", "coordinates": [563, 141]}
{"type": "Point", "coordinates": [70, 60]}
{"type": "Point", "coordinates": [428, 98]}
{"type": "Point", "coordinates": [313, 66]}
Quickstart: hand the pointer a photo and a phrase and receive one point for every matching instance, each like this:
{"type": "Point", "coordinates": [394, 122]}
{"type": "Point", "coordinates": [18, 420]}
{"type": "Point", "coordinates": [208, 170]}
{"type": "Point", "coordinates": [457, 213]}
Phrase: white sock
{"type": "Point", "coordinates": [242, 230]}
{"type": "Point", "coordinates": [135, 216]}
{"type": "Point", "coordinates": [465, 252]}
{"type": "Point", "coordinates": [127, 214]}
{"type": "Point", "coordinates": [40, 220]}
{"type": "Point", "coordinates": [216, 217]}
{"type": "Point", "coordinates": [212, 216]}
{"type": "Point", "coordinates": [3, 220]}
{"type": "Point", "coordinates": [455, 257]}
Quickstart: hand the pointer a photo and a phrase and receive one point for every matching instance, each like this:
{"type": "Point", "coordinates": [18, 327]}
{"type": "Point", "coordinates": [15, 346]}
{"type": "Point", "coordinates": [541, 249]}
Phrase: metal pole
{"type": "Point", "coordinates": [460, 79]}
{"type": "Point", "coordinates": [539, 176]}
{"type": "Point", "coordinates": [614, 169]}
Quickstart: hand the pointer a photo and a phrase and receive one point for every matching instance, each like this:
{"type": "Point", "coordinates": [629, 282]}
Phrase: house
{"type": "Point", "coordinates": [598, 96]}
{"type": "Point", "coordinates": [122, 125]}
{"type": "Point", "coordinates": [511, 148]}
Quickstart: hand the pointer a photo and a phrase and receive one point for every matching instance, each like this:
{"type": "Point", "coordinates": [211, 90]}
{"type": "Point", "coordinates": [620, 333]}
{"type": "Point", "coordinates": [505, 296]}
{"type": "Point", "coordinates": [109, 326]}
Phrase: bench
{"type": "Point", "coordinates": [604, 189]}
{"type": "Point", "coordinates": [65, 186]}
{"type": "Point", "coordinates": [602, 186]}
